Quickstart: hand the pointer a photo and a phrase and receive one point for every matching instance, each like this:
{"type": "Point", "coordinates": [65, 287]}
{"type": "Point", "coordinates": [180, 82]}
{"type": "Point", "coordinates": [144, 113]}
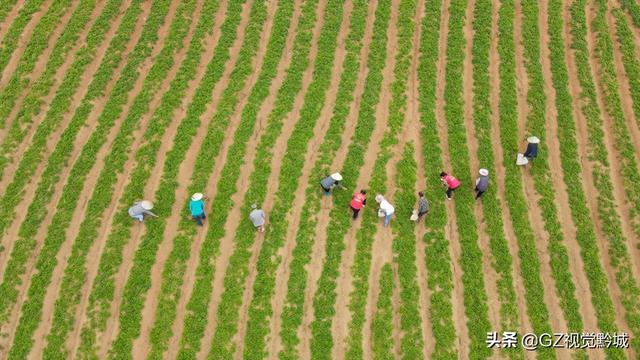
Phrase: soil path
{"type": "Point", "coordinates": [451, 231]}
{"type": "Point", "coordinates": [4, 26]}
{"type": "Point", "coordinates": [582, 136]}
{"type": "Point", "coordinates": [72, 232]}
{"type": "Point", "coordinates": [541, 237]}
{"type": "Point", "coordinates": [80, 140]}
{"type": "Point", "coordinates": [633, 240]}
{"type": "Point", "coordinates": [491, 277]}
{"type": "Point", "coordinates": [185, 172]}
{"type": "Point", "coordinates": [59, 75]}
{"type": "Point", "coordinates": [293, 217]}
{"type": "Point", "coordinates": [413, 118]}
{"type": "Point", "coordinates": [23, 40]}
{"type": "Point", "coordinates": [576, 264]}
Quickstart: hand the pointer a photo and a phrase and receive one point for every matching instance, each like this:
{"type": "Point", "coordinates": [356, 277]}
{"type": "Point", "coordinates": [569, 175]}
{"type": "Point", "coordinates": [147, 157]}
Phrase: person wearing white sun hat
{"type": "Point", "coordinates": [482, 183]}
{"type": "Point", "coordinates": [196, 206]}
{"type": "Point", "coordinates": [330, 182]}
{"type": "Point", "coordinates": [140, 208]}
{"type": "Point", "coordinates": [257, 217]}
{"type": "Point", "coordinates": [532, 147]}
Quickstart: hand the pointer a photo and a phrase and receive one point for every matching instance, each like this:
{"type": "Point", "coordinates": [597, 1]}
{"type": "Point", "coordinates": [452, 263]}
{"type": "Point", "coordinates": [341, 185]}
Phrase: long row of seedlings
{"type": "Point", "coordinates": [12, 37]}
{"type": "Point", "coordinates": [382, 322]}
{"type": "Point", "coordinates": [26, 243]}
{"type": "Point", "coordinates": [291, 317]}
{"type": "Point", "coordinates": [628, 50]}
{"type": "Point", "coordinates": [610, 221]}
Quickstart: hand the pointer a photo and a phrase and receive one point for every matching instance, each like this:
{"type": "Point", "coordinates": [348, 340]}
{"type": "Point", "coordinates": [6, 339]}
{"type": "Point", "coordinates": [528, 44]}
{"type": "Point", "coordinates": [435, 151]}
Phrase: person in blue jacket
{"type": "Point", "coordinates": [196, 205]}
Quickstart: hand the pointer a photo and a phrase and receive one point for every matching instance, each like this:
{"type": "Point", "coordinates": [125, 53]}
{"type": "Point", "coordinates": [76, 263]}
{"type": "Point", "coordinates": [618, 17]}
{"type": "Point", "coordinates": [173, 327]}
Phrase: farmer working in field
{"type": "Point", "coordinates": [257, 217]}
{"type": "Point", "coordinates": [196, 205]}
{"type": "Point", "coordinates": [140, 208]}
{"type": "Point", "coordinates": [330, 182]}
{"type": "Point", "coordinates": [423, 206]}
{"type": "Point", "coordinates": [386, 209]}
{"type": "Point", "coordinates": [482, 183]}
{"type": "Point", "coordinates": [450, 182]}
{"type": "Point", "coordinates": [358, 201]}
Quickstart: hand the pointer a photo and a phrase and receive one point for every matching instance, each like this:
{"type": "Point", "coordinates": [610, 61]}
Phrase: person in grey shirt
{"type": "Point", "coordinates": [482, 183]}
{"type": "Point", "coordinates": [423, 206]}
{"type": "Point", "coordinates": [257, 217]}
{"type": "Point", "coordinates": [330, 182]}
{"type": "Point", "coordinates": [140, 208]}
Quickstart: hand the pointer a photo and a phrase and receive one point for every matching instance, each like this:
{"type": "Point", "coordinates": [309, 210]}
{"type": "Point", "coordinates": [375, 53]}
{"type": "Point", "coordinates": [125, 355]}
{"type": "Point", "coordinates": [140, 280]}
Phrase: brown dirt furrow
{"type": "Point", "coordinates": [614, 172]}
{"type": "Point", "coordinates": [576, 265]}
{"type": "Point", "coordinates": [185, 173]}
{"type": "Point", "coordinates": [315, 266]}
{"type": "Point", "coordinates": [46, 100]}
{"type": "Point", "coordinates": [556, 316]}
{"type": "Point", "coordinates": [4, 26]}
{"type": "Point", "coordinates": [73, 230]}
{"type": "Point", "coordinates": [510, 236]}
{"type": "Point", "coordinates": [491, 277]}
{"type": "Point", "coordinates": [293, 217]}
{"type": "Point", "coordinates": [21, 208]}
{"type": "Point", "coordinates": [633, 240]}
{"type": "Point", "coordinates": [81, 139]}
{"type": "Point", "coordinates": [451, 232]}
{"type": "Point", "coordinates": [279, 152]}
{"type": "Point", "coordinates": [381, 248]}
{"type": "Point", "coordinates": [413, 118]}
{"type": "Point", "coordinates": [27, 32]}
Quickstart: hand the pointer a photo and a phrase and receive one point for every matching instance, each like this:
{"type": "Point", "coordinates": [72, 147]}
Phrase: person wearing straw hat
{"type": "Point", "coordinates": [450, 182]}
{"type": "Point", "coordinates": [140, 208]}
{"type": "Point", "coordinates": [386, 209]}
{"type": "Point", "coordinates": [330, 182]}
{"type": "Point", "coordinates": [532, 148]}
{"type": "Point", "coordinates": [196, 206]}
{"type": "Point", "coordinates": [482, 183]}
{"type": "Point", "coordinates": [257, 217]}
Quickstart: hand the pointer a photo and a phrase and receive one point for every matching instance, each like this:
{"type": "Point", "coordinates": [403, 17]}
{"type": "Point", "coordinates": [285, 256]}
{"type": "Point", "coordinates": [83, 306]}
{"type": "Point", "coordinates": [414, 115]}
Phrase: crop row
{"type": "Point", "coordinates": [324, 298]}
{"type": "Point", "coordinates": [529, 262]}
{"type": "Point", "coordinates": [13, 34]}
{"type": "Point", "coordinates": [260, 309]}
{"type": "Point", "coordinates": [19, 81]}
{"type": "Point", "coordinates": [139, 280]}
{"type": "Point", "coordinates": [5, 7]}
{"type": "Point", "coordinates": [404, 248]}
{"type": "Point", "coordinates": [291, 317]}
{"type": "Point", "coordinates": [382, 323]}
{"type": "Point", "coordinates": [502, 262]}
{"type": "Point", "coordinates": [74, 273]}
{"type": "Point", "coordinates": [25, 244]}
{"type": "Point", "coordinates": [542, 176]}
{"type": "Point", "coordinates": [613, 106]}
{"type": "Point", "coordinates": [475, 298]}
{"type": "Point", "coordinates": [606, 203]}
{"type": "Point", "coordinates": [437, 257]}
{"type": "Point", "coordinates": [633, 8]}
{"type": "Point", "coordinates": [103, 285]}
{"type": "Point", "coordinates": [626, 39]}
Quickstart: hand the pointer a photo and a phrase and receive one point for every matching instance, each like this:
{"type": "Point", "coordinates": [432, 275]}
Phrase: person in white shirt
{"type": "Point", "coordinates": [257, 217]}
{"type": "Point", "coordinates": [385, 208]}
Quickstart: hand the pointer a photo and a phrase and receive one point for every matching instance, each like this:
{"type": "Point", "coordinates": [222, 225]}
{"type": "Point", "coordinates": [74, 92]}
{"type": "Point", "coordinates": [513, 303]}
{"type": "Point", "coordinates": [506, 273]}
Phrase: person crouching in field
{"type": "Point", "coordinates": [450, 182]}
{"type": "Point", "coordinates": [386, 209]}
{"type": "Point", "coordinates": [423, 206]}
{"type": "Point", "coordinates": [330, 182]}
{"type": "Point", "coordinates": [482, 183]}
{"type": "Point", "coordinates": [257, 217]}
{"type": "Point", "coordinates": [140, 208]}
{"type": "Point", "coordinates": [196, 205]}
{"type": "Point", "coordinates": [358, 201]}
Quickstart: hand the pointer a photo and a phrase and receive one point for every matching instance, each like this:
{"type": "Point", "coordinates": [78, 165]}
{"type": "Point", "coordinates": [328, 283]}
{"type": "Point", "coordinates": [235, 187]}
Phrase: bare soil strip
{"type": "Point", "coordinates": [556, 317]}
{"type": "Point", "coordinates": [181, 193]}
{"type": "Point", "coordinates": [27, 33]}
{"type": "Point", "coordinates": [81, 139]}
{"type": "Point", "coordinates": [72, 232]}
{"type": "Point", "coordinates": [491, 277]}
{"type": "Point", "coordinates": [451, 232]}
{"type": "Point", "coordinates": [293, 217]}
{"type": "Point", "coordinates": [632, 125]}
{"type": "Point", "coordinates": [587, 170]}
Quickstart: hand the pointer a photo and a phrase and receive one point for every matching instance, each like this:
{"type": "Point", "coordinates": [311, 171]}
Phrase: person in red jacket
{"type": "Point", "coordinates": [450, 182]}
{"type": "Point", "coordinates": [358, 201]}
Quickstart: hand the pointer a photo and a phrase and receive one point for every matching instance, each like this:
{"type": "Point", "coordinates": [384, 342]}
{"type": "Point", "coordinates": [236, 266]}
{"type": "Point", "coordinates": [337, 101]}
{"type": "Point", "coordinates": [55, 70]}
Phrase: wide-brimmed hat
{"type": "Point", "coordinates": [533, 139]}
{"type": "Point", "coordinates": [336, 176]}
{"type": "Point", "coordinates": [379, 198]}
{"type": "Point", "coordinates": [146, 204]}
{"type": "Point", "coordinates": [197, 196]}
{"type": "Point", "coordinates": [484, 172]}
{"type": "Point", "coordinates": [254, 206]}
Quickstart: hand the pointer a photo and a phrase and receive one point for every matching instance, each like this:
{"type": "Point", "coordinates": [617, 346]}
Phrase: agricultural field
{"type": "Point", "coordinates": [107, 102]}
